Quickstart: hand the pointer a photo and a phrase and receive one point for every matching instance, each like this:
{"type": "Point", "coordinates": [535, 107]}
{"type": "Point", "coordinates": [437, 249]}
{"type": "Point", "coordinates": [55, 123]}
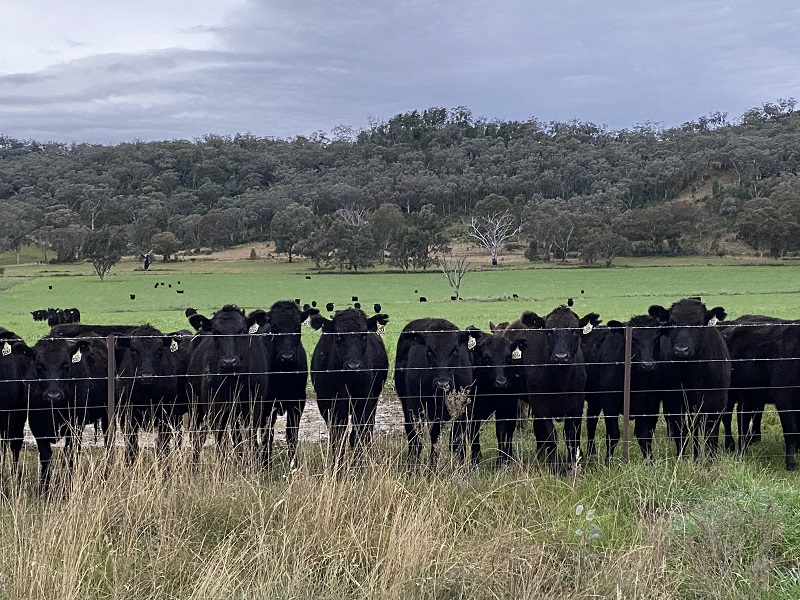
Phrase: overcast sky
{"type": "Point", "coordinates": [108, 72]}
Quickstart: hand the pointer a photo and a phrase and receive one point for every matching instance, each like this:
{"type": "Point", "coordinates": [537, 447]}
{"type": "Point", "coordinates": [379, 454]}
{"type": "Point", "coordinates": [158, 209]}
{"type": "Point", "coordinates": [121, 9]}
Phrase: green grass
{"type": "Point", "coordinates": [668, 529]}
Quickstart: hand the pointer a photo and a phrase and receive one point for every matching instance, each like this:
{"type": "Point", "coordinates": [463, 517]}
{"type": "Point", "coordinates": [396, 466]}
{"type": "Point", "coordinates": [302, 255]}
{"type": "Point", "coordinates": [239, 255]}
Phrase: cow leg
{"type": "Point", "coordinates": [414, 425]}
{"type": "Point", "coordinates": [505, 422]}
{"type": "Point", "coordinates": [572, 439]}
{"type": "Point", "coordinates": [294, 410]}
{"type": "Point", "coordinates": [337, 428]}
{"type": "Point", "coordinates": [727, 423]}
{"type": "Point", "coordinates": [436, 430]}
{"type": "Point", "coordinates": [45, 458]}
{"type": "Point", "coordinates": [758, 414]}
{"type": "Point", "coordinates": [787, 411]}
{"type": "Point", "coordinates": [593, 410]}
{"type": "Point", "coordinates": [363, 426]}
{"type": "Point", "coordinates": [612, 435]}
{"type": "Point", "coordinates": [545, 441]}
{"type": "Point", "coordinates": [16, 425]}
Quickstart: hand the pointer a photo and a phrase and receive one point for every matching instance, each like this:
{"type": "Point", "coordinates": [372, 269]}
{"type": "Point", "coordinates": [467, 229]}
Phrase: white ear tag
{"type": "Point", "coordinates": [713, 321]}
{"type": "Point", "coordinates": [76, 358]}
{"type": "Point", "coordinates": [173, 346]}
{"type": "Point", "coordinates": [381, 329]}
{"type": "Point", "coordinates": [516, 354]}
{"type": "Point", "coordinates": [6, 349]}
{"type": "Point", "coordinates": [253, 328]}
{"type": "Point", "coordinates": [472, 342]}
{"type": "Point", "coordinates": [587, 328]}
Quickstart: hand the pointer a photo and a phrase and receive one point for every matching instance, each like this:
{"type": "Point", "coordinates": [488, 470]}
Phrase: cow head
{"type": "Point", "coordinates": [685, 324]}
{"type": "Point", "coordinates": [231, 329]}
{"type": "Point", "coordinates": [284, 321]}
{"type": "Point", "coordinates": [350, 328]}
{"type": "Point", "coordinates": [564, 330]}
{"type": "Point", "coordinates": [444, 347]}
{"type": "Point", "coordinates": [54, 363]}
{"type": "Point", "coordinates": [145, 352]}
{"type": "Point", "coordinates": [645, 340]}
{"type": "Point", "coordinates": [490, 355]}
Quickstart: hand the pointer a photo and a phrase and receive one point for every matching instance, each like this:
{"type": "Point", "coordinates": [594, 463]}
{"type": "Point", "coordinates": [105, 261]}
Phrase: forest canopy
{"type": "Point", "coordinates": [401, 190]}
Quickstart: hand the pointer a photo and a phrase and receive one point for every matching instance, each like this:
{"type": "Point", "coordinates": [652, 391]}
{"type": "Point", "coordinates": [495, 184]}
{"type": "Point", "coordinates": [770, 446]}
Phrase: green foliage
{"type": "Point", "coordinates": [103, 248]}
{"type": "Point", "coordinates": [165, 243]}
{"type": "Point", "coordinates": [291, 225]}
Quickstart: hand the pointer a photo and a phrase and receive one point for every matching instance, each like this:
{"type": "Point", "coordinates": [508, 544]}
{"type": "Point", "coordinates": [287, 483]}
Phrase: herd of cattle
{"type": "Point", "coordinates": [236, 372]}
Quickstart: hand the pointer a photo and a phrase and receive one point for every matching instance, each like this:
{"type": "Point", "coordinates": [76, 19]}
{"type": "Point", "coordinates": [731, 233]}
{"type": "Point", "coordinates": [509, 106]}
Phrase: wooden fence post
{"type": "Point", "coordinates": [112, 393]}
{"type": "Point", "coordinates": [626, 394]}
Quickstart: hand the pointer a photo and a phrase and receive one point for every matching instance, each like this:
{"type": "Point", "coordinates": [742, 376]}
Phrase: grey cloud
{"type": "Point", "coordinates": [285, 68]}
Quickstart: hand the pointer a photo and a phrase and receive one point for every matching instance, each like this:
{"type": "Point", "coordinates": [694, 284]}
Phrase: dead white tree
{"type": "Point", "coordinates": [493, 229]}
{"type": "Point", "coordinates": [354, 214]}
{"type": "Point", "coordinates": [454, 269]}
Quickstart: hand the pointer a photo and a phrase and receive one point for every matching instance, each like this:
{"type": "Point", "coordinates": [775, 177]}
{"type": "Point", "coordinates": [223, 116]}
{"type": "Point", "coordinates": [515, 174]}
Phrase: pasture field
{"type": "Point", "coordinates": [667, 529]}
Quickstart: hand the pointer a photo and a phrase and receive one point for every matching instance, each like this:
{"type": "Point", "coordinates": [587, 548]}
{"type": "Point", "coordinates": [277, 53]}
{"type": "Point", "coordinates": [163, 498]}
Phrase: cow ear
{"type": "Point", "coordinates": [715, 314]}
{"type": "Point", "coordinates": [22, 348]}
{"type": "Point", "coordinates": [531, 320]}
{"type": "Point", "coordinates": [320, 322]}
{"type": "Point", "coordinates": [199, 322]}
{"type": "Point", "coordinates": [123, 341]}
{"type": "Point", "coordinates": [614, 324]}
{"type": "Point", "coordinates": [373, 321]}
{"type": "Point", "coordinates": [589, 322]}
{"type": "Point", "coordinates": [474, 335]}
{"type": "Point", "coordinates": [310, 312]}
{"type": "Point", "coordinates": [256, 320]}
{"type": "Point", "coordinates": [659, 313]}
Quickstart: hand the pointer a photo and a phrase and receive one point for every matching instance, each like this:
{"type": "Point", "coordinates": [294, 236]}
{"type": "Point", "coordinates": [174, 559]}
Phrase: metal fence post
{"type": "Point", "coordinates": [626, 394]}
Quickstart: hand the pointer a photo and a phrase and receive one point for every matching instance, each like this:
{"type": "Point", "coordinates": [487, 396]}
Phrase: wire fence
{"type": "Point", "coordinates": [390, 418]}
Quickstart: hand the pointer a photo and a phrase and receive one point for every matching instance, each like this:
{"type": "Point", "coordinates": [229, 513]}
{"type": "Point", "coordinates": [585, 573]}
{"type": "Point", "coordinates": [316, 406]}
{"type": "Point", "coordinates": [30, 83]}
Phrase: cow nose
{"type": "Point", "coordinates": [648, 366]}
{"type": "Point", "coordinates": [561, 356]}
{"type": "Point", "coordinates": [54, 395]}
{"type": "Point", "coordinates": [500, 381]}
{"type": "Point", "coordinates": [353, 365]}
{"type": "Point", "coordinates": [229, 362]}
{"type": "Point", "coordinates": [442, 384]}
{"type": "Point", "coordinates": [287, 356]}
{"type": "Point", "coordinates": [147, 376]}
{"type": "Point", "coordinates": [681, 351]}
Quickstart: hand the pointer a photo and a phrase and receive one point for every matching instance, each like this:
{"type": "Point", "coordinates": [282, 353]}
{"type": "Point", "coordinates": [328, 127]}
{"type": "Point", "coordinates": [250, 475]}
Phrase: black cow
{"type": "Point", "coordinates": [604, 353]}
{"type": "Point", "coordinates": [228, 376]}
{"type": "Point", "coordinates": [13, 405]}
{"type": "Point", "coordinates": [348, 369]}
{"type": "Point", "coordinates": [288, 368]}
{"type": "Point", "coordinates": [39, 315]}
{"type": "Point", "coordinates": [432, 363]}
{"type": "Point", "coordinates": [67, 388]}
{"type": "Point", "coordinates": [492, 357]}
{"type": "Point", "coordinates": [765, 355]}
{"type": "Point", "coordinates": [695, 372]}
{"type": "Point", "coordinates": [556, 378]}
{"type": "Point", "coordinates": [153, 388]}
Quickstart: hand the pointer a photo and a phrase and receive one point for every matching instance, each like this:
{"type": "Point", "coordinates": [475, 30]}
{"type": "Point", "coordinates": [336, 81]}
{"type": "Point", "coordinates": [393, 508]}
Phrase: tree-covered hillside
{"type": "Point", "coordinates": [400, 190]}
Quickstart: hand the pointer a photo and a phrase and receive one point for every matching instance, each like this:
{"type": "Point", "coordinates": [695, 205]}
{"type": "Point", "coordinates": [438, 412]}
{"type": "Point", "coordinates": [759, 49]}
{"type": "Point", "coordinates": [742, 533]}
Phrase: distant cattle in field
{"type": "Point", "coordinates": [348, 369]}
{"type": "Point", "coordinates": [152, 385]}
{"type": "Point", "coordinates": [556, 377]}
{"type": "Point", "coordinates": [39, 315]}
{"type": "Point", "coordinates": [492, 356]}
{"type": "Point", "coordinates": [423, 299]}
{"type": "Point", "coordinates": [765, 355]}
{"type": "Point", "coordinates": [228, 376]}
{"type": "Point", "coordinates": [695, 372]}
{"type": "Point", "coordinates": [288, 369]}
{"type": "Point", "coordinates": [13, 405]}
{"type": "Point", "coordinates": [432, 367]}
{"type": "Point", "coordinates": [67, 387]}
{"type": "Point", "coordinates": [604, 353]}
{"type": "Point", "coordinates": [57, 316]}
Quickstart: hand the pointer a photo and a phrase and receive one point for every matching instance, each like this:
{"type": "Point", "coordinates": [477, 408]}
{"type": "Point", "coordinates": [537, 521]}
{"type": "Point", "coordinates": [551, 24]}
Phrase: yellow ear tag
{"type": "Point", "coordinates": [472, 342]}
{"type": "Point", "coordinates": [6, 349]}
{"type": "Point", "coordinates": [713, 321]}
{"type": "Point", "coordinates": [76, 358]}
{"type": "Point", "coordinates": [253, 328]}
{"type": "Point", "coordinates": [587, 328]}
{"type": "Point", "coordinates": [516, 354]}
{"type": "Point", "coordinates": [173, 346]}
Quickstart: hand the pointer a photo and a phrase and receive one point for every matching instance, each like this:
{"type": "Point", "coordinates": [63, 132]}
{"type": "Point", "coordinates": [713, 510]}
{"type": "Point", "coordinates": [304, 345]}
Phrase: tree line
{"type": "Point", "coordinates": [400, 191]}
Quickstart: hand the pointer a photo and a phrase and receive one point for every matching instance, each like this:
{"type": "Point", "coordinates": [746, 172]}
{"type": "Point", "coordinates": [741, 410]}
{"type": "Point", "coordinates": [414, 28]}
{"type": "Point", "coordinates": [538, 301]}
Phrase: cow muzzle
{"type": "Point", "coordinates": [53, 396]}
{"type": "Point", "coordinates": [230, 362]}
{"type": "Point", "coordinates": [681, 351]}
{"type": "Point", "coordinates": [353, 365]}
{"type": "Point", "coordinates": [561, 357]}
{"type": "Point", "coordinates": [442, 384]}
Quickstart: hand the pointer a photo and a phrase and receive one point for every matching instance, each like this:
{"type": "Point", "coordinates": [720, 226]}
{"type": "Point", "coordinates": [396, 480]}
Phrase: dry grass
{"type": "Point", "coordinates": [224, 530]}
